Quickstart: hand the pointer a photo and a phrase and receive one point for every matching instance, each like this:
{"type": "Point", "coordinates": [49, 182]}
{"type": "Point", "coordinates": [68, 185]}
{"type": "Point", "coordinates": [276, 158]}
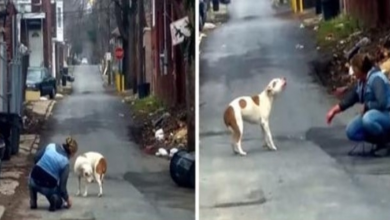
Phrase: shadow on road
{"type": "Point", "coordinates": [334, 143]}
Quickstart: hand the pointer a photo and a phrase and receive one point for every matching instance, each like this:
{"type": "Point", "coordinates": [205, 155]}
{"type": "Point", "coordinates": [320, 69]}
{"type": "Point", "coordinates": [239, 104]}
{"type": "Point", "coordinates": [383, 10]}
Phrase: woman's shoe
{"type": "Point", "coordinates": [33, 204]}
{"type": "Point", "coordinates": [55, 203]}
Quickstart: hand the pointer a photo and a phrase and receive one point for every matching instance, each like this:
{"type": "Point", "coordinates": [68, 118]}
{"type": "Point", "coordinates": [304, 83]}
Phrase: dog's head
{"type": "Point", "coordinates": [87, 172]}
{"type": "Point", "coordinates": [276, 86]}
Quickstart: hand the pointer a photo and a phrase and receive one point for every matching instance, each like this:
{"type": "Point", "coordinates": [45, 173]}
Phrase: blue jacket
{"type": "Point", "coordinates": [55, 161]}
{"type": "Point", "coordinates": [366, 93]}
{"type": "Point", "coordinates": [374, 93]}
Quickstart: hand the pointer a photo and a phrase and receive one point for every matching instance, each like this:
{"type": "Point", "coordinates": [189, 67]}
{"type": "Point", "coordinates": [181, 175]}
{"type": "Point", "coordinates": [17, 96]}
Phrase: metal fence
{"type": "Point", "coordinates": [3, 77]}
{"type": "Point", "coordinates": [17, 86]}
{"type": "Point", "coordinates": [11, 83]}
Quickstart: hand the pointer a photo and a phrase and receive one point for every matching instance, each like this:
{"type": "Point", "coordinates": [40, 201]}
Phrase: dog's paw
{"type": "Point", "coordinates": [242, 153]}
{"type": "Point", "coordinates": [100, 194]}
{"type": "Point", "coordinates": [85, 194]}
{"type": "Point", "coordinates": [273, 148]}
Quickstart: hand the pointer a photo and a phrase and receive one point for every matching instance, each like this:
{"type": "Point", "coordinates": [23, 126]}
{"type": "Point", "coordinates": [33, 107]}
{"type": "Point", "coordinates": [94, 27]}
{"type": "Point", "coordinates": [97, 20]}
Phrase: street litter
{"type": "Point", "coordinates": [302, 26]}
{"type": "Point", "coordinates": [299, 46]}
{"type": "Point", "coordinates": [43, 98]}
{"type": "Point", "coordinates": [121, 115]}
{"type": "Point", "coordinates": [209, 26]}
{"type": "Point", "coordinates": [161, 152]}
{"type": "Point", "coordinates": [58, 95]}
{"type": "Point", "coordinates": [159, 134]}
{"type": "Point", "coordinates": [173, 151]}
{"type": "Point", "coordinates": [315, 28]}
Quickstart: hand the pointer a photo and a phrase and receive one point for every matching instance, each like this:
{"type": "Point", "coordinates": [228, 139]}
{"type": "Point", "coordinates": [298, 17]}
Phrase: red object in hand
{"type": "Point", "coordinates": [332, 112]}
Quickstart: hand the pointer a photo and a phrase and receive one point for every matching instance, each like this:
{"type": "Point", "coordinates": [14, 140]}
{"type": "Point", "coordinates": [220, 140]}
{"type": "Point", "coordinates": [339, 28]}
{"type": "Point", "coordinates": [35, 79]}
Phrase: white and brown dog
{"type": "Point", "coordinates": [255, 110]}
{"type": "Point", "coordinates": [90, 166]}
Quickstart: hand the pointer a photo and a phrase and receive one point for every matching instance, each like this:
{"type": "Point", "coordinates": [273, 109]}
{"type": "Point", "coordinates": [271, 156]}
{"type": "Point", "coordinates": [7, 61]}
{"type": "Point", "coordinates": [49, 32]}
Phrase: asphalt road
{"type": "Point", "coordinates": [137, 186]}
{"type": "Point", "coordinates": [310, 177]}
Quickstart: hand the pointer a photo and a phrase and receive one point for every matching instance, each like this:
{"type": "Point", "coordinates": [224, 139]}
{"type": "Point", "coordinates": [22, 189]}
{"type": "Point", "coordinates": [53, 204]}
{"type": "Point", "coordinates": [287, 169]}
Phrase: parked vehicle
{"type": "Point", "coordinates": [40, 79]}
{"type": "Point", "coordinates": [84, 61]}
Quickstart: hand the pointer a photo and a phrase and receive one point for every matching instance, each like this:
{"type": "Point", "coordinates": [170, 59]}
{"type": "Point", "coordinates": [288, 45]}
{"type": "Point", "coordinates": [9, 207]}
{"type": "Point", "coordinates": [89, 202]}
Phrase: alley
{"type": "Point", "coordinates": [309, 177]}
{"type": "Point", "coordinates": [136, 186]}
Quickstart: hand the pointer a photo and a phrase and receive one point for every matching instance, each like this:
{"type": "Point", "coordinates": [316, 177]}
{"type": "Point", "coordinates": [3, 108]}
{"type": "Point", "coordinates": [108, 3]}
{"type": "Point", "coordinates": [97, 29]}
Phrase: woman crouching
{"type": "Point", "coordinates": [49, 176]}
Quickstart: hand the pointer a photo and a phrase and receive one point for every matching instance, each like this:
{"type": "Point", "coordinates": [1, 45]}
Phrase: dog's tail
{"type": "Point", "coordinates": [230, 121]}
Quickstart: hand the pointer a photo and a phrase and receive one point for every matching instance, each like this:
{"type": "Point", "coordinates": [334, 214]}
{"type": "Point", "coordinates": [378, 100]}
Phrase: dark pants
{"type": "Point", "coordinates": [37, 183]}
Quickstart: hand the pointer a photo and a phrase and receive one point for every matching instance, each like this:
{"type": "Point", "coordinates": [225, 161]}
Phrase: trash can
{"type": "Point", "coordinates": [10, 129]}
{"type": "Point", "coordinates": [330, 9]}
{"type": "Point", "coordinates": [143, 90]}
{"type": "Point", "coordinates": [215, 5]}
{"type": "Point", "coordinates": [318, 7]}
{"type": "Point", "coordinates": [182, 169]}
{"type": "Point", "coordinates": [63, 80]}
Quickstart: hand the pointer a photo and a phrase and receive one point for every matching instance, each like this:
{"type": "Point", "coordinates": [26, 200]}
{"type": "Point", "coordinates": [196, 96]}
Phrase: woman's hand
{"type": "Point", "coordinates": [68, 203]}
{"type": "Point", "coordinates": [332, 112]}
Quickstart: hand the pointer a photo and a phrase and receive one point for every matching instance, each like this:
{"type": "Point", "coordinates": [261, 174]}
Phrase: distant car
{"type": "Point", "coordinates": [40, 79]}
{"type": "Point", "coordinates": [84, 61]}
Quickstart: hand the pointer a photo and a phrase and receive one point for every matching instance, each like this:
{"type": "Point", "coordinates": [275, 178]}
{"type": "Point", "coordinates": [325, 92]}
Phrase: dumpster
{"type": "Point", "coordinates": [182, 169]}
{"type": "Point", "coordinates": [10, 128]}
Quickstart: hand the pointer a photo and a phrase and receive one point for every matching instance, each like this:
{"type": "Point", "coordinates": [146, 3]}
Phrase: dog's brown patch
{"type": "Point", "coordinates": [256, 99]}
{"type": "Point", "coordinates": [101, 167]}
{"type": "Point", "coordinates": [242, 103]}
{"type": "Point", "coordinates": [230, 121]}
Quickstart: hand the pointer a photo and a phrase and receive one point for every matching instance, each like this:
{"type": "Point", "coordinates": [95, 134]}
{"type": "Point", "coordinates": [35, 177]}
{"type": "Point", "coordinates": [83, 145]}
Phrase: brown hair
{"type": "Point", "coordinates": [70, 146]}
{"type": "Point", "coordinates": [362, 62]}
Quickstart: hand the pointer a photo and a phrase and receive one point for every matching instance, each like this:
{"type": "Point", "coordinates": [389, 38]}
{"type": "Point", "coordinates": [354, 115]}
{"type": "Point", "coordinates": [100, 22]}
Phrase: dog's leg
{"type": "Point", "coordinates": [79, 183]}
{"type": "Point", "coordinates": [233, 136]}
{"type": "Point", "coordinates": [267, 130]}
{"type": "Point", "coordinates": [265, 139]}
{"type": "Point", "coordinates": [100, 183]}
{"type": "Point", "coordinates": [85, 194]}
{"type": "Point", "coordinates": [240, 125]}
